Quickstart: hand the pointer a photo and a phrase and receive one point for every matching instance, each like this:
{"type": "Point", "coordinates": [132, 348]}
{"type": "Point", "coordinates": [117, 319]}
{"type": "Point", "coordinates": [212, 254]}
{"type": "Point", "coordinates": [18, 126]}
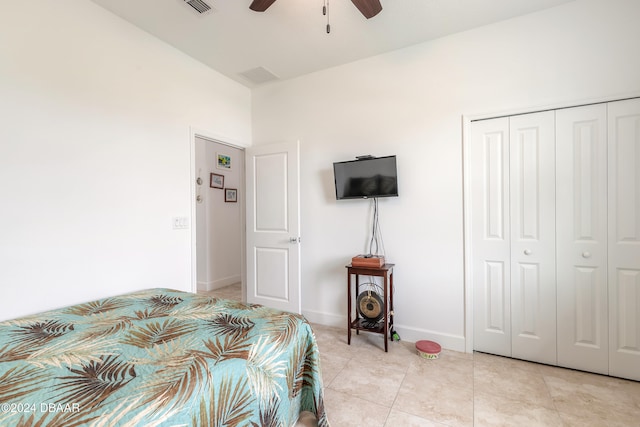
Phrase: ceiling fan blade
{"type": "Point", "coordinates": [261, 5]}
{"type": "Point", "coordinates": [369, 8]}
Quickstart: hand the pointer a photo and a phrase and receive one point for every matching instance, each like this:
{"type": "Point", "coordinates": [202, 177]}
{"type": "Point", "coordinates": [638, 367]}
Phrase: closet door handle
{"type": "Point", "coordinates": [527, 251]}
{"type": "Point", "coordinates": [586, 254]}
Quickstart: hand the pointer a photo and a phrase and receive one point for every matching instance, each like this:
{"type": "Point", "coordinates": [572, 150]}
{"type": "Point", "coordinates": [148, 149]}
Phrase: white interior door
{"type": "Point", "coordinates": [273, 226]}
{"type": "Point", "coordinates": [624, 238]}
{"type": "Point", "coordinates": [533, 233]}
{"type": "Point", "coordinates": [581, 202]}
{"type": "Point", "coordinates": [490, 235]}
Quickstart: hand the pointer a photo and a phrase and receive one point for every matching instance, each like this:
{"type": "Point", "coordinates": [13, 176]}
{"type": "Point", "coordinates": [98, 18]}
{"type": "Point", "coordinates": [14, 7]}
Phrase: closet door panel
{"type": "Point", "coordinates": [532, 213]}
{"type": "Point", "coordinates": [489, 171]}
{"type": "Point", "coordinates": [624, 238]}
{"type": "Point", "coordinates": [581, 215]}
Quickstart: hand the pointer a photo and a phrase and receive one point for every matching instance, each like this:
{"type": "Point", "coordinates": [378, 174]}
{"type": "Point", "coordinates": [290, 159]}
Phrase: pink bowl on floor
{"type": "Point", "coordinates": [428, 349]}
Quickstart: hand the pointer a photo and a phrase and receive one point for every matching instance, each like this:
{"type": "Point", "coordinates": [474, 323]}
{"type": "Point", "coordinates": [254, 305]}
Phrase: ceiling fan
{"type": "Point", "coordinates": [368, 8]}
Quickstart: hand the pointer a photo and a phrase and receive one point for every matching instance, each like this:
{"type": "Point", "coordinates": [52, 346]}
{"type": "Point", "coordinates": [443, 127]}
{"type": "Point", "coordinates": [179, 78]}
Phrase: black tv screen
{"type": "Point", "coordinates": [365, 178]}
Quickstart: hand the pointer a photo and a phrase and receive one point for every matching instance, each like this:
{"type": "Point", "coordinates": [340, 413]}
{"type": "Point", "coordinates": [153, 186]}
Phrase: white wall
{"type": "Point", "coordinates": [95, 154]}
{"type": "Point", "coordinates": [219, 236]}
{"type": "Point", "coordinates": [411, 103]}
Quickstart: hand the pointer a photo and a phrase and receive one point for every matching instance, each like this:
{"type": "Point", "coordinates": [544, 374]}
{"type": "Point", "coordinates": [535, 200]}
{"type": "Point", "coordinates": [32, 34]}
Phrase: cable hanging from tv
{"type": "Point", "coordinates": [376, 241]}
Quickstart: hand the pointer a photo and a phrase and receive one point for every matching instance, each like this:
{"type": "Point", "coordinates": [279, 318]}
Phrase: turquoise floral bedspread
{"type": "Point", "coordinates": [159, 358]}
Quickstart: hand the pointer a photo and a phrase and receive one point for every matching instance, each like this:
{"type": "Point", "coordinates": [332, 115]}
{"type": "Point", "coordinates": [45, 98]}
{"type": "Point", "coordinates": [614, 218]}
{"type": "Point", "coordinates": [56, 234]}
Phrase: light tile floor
{"type": "Point", "coordinates": [366, 387]}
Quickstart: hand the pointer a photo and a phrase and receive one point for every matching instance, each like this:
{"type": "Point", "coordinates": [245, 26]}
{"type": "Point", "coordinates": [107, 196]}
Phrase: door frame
{"type": "Point", "coordinates": [210, 136]}
{"type": "Point", "coordinates": [466, 188]}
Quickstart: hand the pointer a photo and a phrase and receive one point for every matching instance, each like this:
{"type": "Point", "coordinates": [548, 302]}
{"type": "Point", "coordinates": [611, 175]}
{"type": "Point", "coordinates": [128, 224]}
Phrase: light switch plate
{"type": "Point", "coordinates": [180, 222]}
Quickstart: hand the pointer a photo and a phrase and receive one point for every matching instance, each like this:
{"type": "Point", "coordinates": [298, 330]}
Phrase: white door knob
{"type": "Point", "coordinates": [527, 251]}
{"type": "Point", "coordinates": [586, 254]}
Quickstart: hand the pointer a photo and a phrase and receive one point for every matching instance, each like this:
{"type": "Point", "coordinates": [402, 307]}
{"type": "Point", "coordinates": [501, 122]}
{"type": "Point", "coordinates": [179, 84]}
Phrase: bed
{"type": "Point", "coordinates": [159, 357]}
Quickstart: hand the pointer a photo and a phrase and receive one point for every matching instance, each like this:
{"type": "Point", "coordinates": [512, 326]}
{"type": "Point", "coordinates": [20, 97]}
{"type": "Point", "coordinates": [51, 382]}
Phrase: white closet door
{"type": "Point", "coordinates": [624, 238]}
{"type": "Point", "coordinates": [532, 214]}
{"type": "Point", "coordinates": [581, 204]}
{"type": "Point", "coordinates": [490, 257]}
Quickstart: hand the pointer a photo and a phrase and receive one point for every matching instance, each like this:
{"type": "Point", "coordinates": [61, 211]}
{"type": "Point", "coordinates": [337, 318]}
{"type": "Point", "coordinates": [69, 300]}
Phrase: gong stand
{"type": "Point", "coordinates": [373, 312]}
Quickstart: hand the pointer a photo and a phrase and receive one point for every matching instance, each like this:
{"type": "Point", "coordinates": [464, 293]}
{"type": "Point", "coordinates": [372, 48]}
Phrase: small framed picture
{"type": "Point", "coordinates": [231, 195]}
{"type": "Point", "coordinates": [216, 181]}
{"type": "Point", "coordinates": [223, 161]}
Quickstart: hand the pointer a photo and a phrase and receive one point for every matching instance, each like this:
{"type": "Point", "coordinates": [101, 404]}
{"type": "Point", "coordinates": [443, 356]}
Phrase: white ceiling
{"type": "Point", "coordinates": [290, 38]}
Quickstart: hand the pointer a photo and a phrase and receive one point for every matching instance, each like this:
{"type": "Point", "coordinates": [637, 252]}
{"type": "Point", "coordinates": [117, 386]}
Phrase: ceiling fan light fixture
{"type": "Point", "coordinates": [368, 8]}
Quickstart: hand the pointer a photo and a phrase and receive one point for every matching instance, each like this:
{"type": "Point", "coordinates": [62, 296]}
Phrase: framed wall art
{"type": "Point", "coordinates": [231, 195]}
{"type": "Point", "coordinates": [223, 161]}
{"type": "Point", "coordinates": [216, 181]}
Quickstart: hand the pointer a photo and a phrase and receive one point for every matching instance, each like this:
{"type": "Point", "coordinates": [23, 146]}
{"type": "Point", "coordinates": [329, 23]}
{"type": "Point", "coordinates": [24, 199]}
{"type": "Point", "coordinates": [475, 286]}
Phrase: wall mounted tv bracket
{"type": "Point", "coordinates": [365, 157]}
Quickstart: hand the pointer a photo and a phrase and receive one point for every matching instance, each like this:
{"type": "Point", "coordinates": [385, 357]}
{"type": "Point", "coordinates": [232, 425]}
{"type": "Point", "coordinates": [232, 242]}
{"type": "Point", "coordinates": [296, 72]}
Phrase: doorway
{"type": "Point", "coordinates": [218, 258]}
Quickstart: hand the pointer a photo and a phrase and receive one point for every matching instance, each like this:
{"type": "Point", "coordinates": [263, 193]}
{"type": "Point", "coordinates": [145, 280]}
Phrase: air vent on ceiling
{"type": "Point", "coordinates": [199, 6]}
{"type": "Point", "coordinates": [259, 75]}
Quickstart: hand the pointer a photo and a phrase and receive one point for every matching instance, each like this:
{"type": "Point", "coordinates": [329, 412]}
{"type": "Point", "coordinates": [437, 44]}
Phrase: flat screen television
{"type": "Point", "coordinates": [365, 178]}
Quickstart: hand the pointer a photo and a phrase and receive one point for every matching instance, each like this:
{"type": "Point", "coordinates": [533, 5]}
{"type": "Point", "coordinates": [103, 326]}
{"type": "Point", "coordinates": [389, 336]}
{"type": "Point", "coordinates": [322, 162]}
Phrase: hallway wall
{"type": "Point", "coordinates": [218, 223]}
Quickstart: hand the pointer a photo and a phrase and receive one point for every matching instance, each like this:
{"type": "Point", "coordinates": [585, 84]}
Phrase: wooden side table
{"type": "Point", "coordinates": [384, 326]}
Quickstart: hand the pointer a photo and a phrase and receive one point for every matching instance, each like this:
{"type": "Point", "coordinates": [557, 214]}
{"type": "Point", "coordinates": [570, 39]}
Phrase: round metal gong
{"type": "Point", "coordinates": [370, 306]}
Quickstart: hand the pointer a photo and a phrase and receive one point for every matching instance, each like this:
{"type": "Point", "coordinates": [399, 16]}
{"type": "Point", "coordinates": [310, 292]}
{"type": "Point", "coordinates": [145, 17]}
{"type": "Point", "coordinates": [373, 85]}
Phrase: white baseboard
{"type": "Point", "coordinates": [326, 319]}
{"type": "Point", "coordinates": [448, 341]}
{"type": "Point", "coordinates": [407, 333]}
{"type": "Point", "coordinates": [219, 283]}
